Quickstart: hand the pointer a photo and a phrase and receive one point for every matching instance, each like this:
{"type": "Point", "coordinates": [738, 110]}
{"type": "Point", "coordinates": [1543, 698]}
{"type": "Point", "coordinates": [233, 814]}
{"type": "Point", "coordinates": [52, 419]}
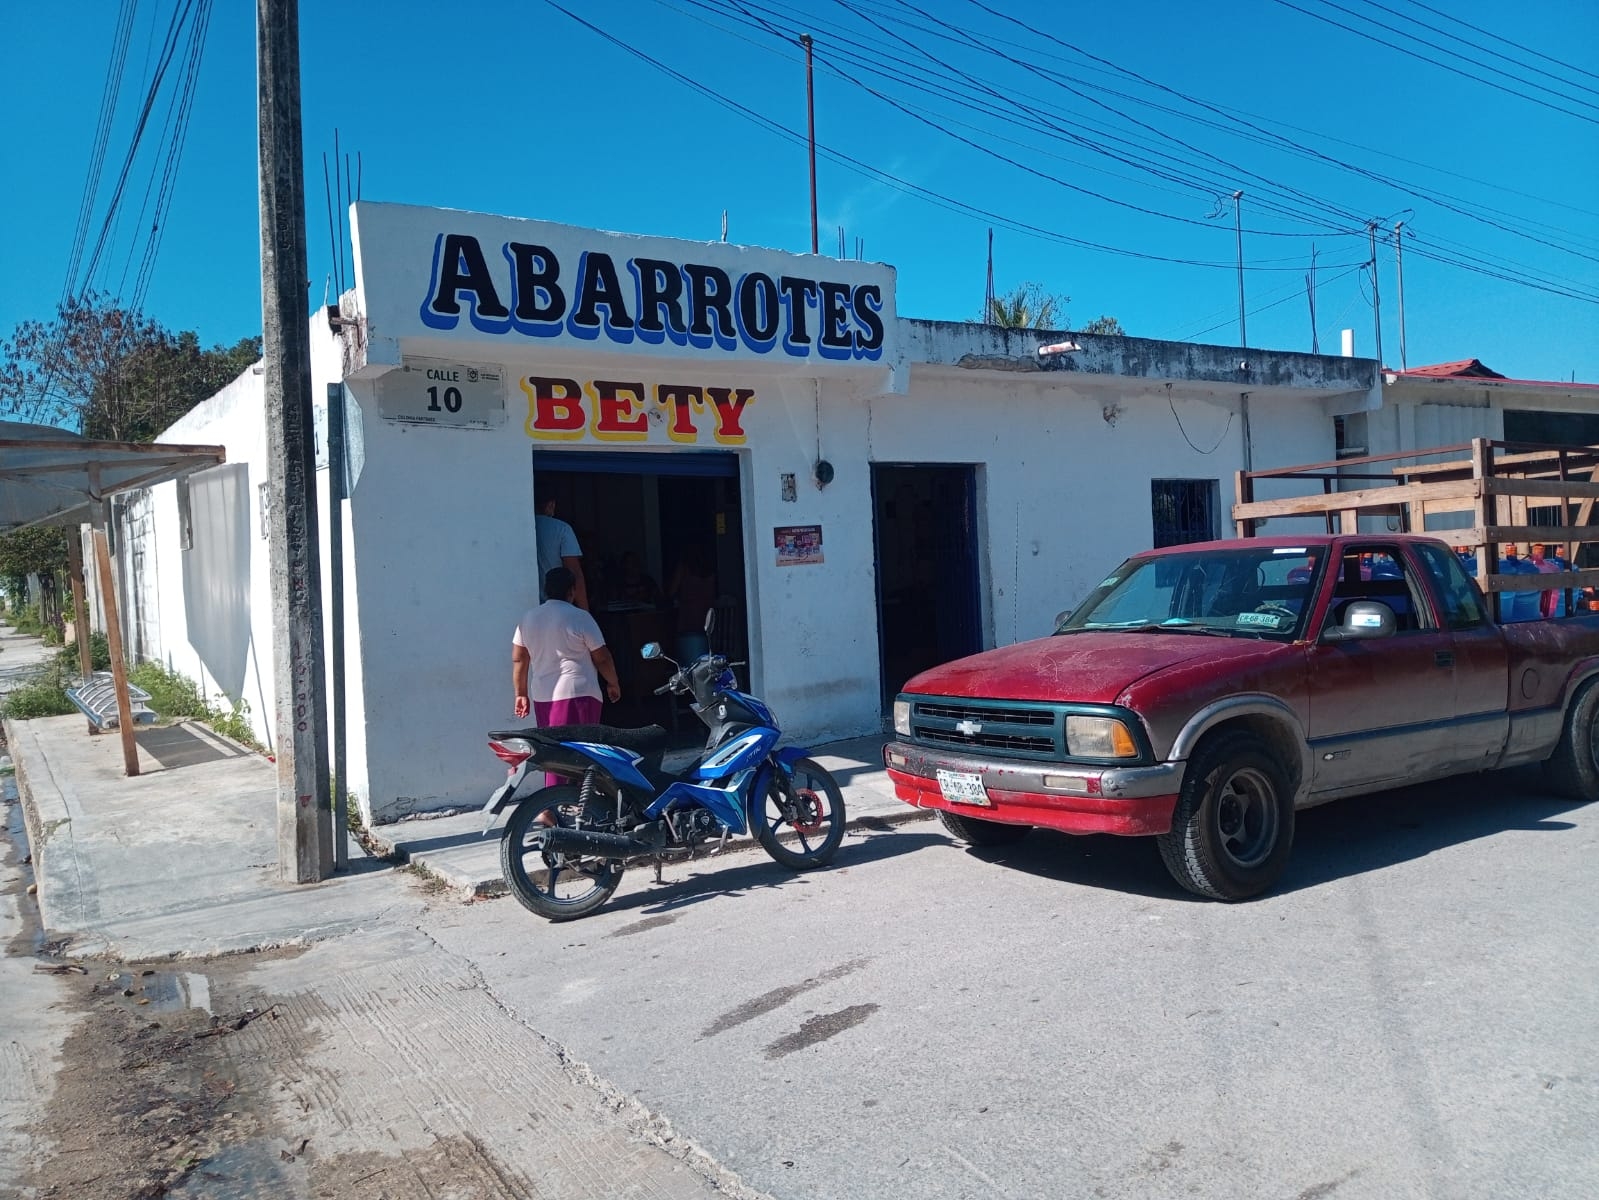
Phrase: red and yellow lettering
{"type": "Point", "coordinates": [680, 401]}
{"type": "Point", "coordinates": [615, 419]}
{"type": "Point", "coordinates": [554, 409]}
{"type": "Point", "coordinates": [728, 405]}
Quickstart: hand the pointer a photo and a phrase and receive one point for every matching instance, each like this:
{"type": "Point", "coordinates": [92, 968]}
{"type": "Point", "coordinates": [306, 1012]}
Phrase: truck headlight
{"type": "Point", "coordinates": [1099, 737]}
{"type": "Point", "coordinates": [902, 718]}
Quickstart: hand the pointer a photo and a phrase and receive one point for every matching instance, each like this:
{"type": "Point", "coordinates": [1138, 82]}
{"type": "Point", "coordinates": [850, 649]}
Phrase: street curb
{"type": "Point", "coordinates": [33, 819]}
{"type": "Point", "coordinates": [468, 888]}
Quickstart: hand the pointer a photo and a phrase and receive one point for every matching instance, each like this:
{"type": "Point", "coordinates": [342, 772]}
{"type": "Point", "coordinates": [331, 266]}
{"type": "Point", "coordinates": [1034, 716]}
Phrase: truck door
{"type": "Point", "coordinates": [1381, 711]}
{"type": "Point", "coordinates": [1481, 660]}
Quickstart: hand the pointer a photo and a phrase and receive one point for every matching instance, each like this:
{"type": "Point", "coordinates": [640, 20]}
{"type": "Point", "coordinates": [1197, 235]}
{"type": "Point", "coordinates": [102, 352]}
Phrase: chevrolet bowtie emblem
{"type": "Point", "coordinates": [969, 728]}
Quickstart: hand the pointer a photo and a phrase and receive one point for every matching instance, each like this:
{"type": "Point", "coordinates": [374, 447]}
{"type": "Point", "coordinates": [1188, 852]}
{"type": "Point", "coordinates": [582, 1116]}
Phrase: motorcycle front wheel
{"type": "Point", "coordinates": [800, 825]}
{"type": "Point", "coordinates": [558, 887]}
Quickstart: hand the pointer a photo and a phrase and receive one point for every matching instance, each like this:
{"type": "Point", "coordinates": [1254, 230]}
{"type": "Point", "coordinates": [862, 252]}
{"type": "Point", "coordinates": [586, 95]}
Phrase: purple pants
{"type": "Point", "coordinates": [580, 710]}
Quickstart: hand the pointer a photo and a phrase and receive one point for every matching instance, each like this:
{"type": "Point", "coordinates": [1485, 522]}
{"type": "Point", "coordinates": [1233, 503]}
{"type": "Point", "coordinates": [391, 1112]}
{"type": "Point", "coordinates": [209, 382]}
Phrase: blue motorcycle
{"type": "Point", "coordinates": [566, 846]}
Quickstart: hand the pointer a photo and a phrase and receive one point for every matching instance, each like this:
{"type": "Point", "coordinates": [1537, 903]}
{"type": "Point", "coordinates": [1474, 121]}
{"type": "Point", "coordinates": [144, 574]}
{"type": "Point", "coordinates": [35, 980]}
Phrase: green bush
{"type": "Point", "coordinates": [173, 695]}
{"type": "Point", "coordinates": [99, 654]}
{"type": "Point", "coordinates": [42, 695]}
{"type": "Point", "coordinates": [27, 620]}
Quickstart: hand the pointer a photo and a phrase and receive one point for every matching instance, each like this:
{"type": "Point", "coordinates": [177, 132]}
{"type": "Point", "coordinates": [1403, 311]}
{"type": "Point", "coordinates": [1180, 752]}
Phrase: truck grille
{"type": "Point", "coordinates": [1010, 729]}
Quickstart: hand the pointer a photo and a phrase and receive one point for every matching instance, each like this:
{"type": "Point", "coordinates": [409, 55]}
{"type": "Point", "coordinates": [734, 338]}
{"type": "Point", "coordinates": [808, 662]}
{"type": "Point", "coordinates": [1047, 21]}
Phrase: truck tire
{"type": "Point", "coordinates": [1573, 769]}
{"type": "Point", "coordinates": [1233, 827]}
{"type": "Point", "coordinates": [975, 831]}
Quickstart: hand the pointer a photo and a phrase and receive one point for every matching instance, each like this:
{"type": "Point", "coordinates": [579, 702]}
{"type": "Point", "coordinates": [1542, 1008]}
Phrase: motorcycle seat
{"type": "Point", "coordinates": [642, 740]}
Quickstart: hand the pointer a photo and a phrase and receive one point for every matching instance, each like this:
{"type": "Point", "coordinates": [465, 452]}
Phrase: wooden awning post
{"type": "Point", "coordinates": [119, 668]}
{"type": "Point", "coordinates": [80, 605]}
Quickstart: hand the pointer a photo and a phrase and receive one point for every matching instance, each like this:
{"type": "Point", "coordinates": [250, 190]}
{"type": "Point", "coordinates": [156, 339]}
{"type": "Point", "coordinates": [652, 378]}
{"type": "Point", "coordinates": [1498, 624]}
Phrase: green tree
{"type": "Point", "coordinates": [1029, 306]}
{"type": "Point", "coordinates": [111, 373]}
{"type": "Point", "coordinates": [1108, 325]}
{"type": "Point", "coordinates": [39, 550]}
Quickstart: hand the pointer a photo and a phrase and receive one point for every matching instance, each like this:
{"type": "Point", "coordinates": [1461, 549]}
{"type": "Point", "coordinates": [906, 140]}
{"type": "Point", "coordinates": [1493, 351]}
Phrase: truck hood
{"type": "Point", "coordinates": [1089, 668]}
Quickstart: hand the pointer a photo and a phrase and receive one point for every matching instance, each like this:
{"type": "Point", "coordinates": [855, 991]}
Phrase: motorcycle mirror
{"type": "Point", "coordinates": [650, 650]}
{"type": "Point", "coordinates": [710, 620]}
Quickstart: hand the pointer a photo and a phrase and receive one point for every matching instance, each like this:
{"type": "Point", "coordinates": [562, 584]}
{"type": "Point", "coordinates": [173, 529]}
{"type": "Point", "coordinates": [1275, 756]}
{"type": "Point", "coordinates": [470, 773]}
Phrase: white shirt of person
{"type": "Point", "coordinates": [556, 541]}
{"type": "Point", "coordinates": [560, 640]}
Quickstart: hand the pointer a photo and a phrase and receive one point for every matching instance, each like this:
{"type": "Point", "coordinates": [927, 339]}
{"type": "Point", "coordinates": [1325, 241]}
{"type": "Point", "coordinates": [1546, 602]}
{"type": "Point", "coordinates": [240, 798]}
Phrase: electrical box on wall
{"type": "Point", "coordinates": [790, 490]}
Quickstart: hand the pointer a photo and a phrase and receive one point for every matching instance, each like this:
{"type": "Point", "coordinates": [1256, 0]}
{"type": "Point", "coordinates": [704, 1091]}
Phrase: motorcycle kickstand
{"type": "Point", "coordinates": [658, 861]}
{"type": "Point", "coordinates": [721, 842]}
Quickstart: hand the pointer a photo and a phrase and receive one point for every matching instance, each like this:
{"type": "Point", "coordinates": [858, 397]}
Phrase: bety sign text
{"type": "Point", "coordinates": [611, 410]}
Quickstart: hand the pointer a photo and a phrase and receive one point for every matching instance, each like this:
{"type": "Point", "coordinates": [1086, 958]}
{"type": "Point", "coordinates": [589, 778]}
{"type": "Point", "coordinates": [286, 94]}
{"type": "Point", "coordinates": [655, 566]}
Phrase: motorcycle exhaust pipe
{"type": "Point", "coordinates": [589, 842]}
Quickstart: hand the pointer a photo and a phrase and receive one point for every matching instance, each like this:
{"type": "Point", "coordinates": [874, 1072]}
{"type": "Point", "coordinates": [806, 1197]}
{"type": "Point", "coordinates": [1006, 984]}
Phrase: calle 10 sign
{"type": "Point", "coordinates": [615, 410]}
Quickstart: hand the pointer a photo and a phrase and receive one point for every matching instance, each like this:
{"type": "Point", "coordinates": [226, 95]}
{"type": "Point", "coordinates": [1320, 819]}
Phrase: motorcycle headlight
{"type": "Point", "coordinates": [1099, 737]}
{"type": "Point", "coordinates": [902, 718]}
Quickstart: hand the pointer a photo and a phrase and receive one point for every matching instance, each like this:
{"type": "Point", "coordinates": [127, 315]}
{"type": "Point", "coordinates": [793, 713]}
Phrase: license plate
{"type": "Point", "coordinates": [964, 787]}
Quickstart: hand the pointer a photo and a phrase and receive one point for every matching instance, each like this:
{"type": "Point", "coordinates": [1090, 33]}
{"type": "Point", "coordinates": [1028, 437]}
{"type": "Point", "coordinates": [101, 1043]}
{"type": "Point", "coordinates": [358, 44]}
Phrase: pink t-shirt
{"type": "Point", "coordinates": [560, 639]}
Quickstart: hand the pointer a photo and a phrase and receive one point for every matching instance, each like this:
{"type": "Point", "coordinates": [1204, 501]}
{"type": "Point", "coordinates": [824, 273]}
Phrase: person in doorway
{"type": "Point", "coordinates": [558, 660]}
{"type": "Point", "coordinates": [557, 545]}
{"type": "Point", "coordinates": [634, 585]}
{"type": "Point", "coordinates": [693, 590]}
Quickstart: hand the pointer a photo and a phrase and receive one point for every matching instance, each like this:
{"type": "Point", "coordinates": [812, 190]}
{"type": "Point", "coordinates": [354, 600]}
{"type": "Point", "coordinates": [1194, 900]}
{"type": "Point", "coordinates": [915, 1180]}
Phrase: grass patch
{"type": "Point", "coordinates": [43, 695]}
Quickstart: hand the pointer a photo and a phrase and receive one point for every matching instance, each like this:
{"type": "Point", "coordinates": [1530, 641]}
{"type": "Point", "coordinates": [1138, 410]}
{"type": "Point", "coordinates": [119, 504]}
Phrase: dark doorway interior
{"type": "Point", "coordinates": [928, 588]}
{"type": "Point", "coordinates": [641, 519]}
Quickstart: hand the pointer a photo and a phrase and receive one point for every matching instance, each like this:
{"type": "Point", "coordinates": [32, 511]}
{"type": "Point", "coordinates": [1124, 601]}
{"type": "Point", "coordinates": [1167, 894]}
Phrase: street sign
{"type": "Point", "coordinates": [427, 391]}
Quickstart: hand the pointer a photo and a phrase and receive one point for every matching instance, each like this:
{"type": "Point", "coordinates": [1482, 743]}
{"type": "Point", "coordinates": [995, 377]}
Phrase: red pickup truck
{"type": "Point", "coordinates": [1203, 693]}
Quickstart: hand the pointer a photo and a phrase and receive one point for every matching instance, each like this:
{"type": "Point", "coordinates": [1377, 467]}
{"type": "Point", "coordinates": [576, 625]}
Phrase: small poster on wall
{"type": "Point", "coordinates": [798, 545]}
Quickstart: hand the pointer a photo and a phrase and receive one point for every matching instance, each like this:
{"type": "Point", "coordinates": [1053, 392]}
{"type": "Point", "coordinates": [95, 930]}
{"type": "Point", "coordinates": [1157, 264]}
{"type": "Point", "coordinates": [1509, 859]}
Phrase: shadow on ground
{"type": "Point", "coordinates": [1334, 841]}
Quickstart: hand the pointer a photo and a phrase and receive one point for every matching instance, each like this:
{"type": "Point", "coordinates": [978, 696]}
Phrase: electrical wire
{"type": "Point", "coordinates": [1453, 70]}
{"type": "Point", "coordinates": [1491, 51]}
{"type": "Point", "coordinates": [1498, 37]}
{"type": "Point", "coordinates": [887, 178]}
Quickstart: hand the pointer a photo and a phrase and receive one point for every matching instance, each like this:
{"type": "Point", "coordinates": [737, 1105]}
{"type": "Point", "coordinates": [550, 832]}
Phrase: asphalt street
{"type": "Point", "coordinates": [1411, 1014]}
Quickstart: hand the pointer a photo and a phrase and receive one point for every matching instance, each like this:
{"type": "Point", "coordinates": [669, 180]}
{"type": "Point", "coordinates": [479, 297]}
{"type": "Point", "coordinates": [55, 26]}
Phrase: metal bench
{"type": "Point", "coordinates": [97, 700]}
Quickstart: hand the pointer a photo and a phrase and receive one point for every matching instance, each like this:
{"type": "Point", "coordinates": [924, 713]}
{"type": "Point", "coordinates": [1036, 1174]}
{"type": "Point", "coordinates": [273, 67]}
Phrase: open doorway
{"type": "Point", "coordinates": [662, 538]}
{"type": "Point", "coordinates": [928, 587]}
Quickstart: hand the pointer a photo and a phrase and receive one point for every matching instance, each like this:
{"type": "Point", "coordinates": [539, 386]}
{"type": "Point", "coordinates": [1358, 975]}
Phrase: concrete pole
{"type": "Point", "coordinates": [305, 816]}
{"type": "Point", "coordinates": [1238, 227]}
{"type": "Point", "coordinates": [1376, 300]}
{"type": "Point", "coordinates": [1399, 260]}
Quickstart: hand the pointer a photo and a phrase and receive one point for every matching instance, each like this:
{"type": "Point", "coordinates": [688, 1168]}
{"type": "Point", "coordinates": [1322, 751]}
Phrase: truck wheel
{"type": "Point", "coordinates": [1573, 769]}
{"type": "Point", "coordinates": [1234, 823]}
{"type": "Point", "coordinates": [975, 831]}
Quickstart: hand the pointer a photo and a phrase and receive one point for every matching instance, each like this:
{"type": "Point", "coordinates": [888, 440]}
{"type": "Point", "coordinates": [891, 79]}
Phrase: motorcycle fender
{"type": "Point", "coordinates": [501, 796]}
{"type": "Point", "coordinates": [789, 755]}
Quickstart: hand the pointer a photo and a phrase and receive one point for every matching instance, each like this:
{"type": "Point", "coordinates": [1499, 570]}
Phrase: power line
{"type": "Point", "coordinates": [889, 179]}
{"type": "Point", "coordinates": [1501, 38]}
{"type": "Point", "coordinates": [102, 137]}
{"type": "Point", "coordinates": [1453, 70]}
{"type": "Point", "coordinates": [1481, 49]}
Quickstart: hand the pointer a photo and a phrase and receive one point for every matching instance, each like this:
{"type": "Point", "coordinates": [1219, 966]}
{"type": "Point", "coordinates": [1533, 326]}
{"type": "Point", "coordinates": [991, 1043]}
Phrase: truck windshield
{"type": "Point", "coordinates": [1260, 592]}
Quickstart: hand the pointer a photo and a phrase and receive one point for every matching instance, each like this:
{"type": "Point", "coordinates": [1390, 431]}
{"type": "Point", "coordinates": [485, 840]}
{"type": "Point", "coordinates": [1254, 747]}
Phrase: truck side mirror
{"type": "Point", "coordinates": [1060, 617]}
{"type": "Point", "coordinates": [1363, 620]}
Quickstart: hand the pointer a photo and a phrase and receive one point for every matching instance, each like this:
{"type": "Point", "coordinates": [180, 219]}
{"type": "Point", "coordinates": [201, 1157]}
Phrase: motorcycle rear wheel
{"type": "Point", "coordinates": [556, 887]}
{"type": "Point", "coordinates": [807, 835]}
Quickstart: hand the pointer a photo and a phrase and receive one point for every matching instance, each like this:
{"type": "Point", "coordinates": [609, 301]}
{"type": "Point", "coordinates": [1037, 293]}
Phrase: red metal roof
{"type": "Point", "coordinates": [1466, 368]}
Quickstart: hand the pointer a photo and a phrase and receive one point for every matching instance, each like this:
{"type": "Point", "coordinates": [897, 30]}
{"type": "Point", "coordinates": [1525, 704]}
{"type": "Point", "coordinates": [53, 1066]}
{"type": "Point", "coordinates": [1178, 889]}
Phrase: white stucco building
{"type": "Point", "coordinates": [875, 493]}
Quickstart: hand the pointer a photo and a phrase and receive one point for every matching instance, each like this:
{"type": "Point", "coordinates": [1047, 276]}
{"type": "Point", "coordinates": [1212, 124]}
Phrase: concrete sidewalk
{"type": "Point", "coordinates": [454, 849]}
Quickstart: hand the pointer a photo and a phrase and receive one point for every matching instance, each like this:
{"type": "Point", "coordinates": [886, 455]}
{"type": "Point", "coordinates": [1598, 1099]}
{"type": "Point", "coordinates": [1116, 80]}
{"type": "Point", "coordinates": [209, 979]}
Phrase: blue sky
{"type": "Point", "coordinates": [518, 108]}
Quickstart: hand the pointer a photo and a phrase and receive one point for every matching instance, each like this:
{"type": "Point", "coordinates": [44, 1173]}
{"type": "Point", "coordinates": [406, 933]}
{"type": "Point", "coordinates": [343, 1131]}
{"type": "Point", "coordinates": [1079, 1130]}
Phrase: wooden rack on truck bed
{"type": "Point", "coordinates": [1502, 487]}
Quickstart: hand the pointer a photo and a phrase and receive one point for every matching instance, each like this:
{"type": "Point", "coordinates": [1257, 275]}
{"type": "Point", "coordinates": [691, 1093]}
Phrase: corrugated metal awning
{"type": "Point", "coordinates": [49, 476]}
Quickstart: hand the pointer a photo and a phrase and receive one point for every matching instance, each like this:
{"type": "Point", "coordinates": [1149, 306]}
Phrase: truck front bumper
{"type": "Point", "coordinates": [1068, 797]}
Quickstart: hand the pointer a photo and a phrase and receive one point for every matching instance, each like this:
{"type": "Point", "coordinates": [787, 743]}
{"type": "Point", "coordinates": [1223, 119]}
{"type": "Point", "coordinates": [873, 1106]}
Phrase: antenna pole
{"type": "Point", "coordinates": [1376, 300]}
{"type": "Point", "coordinates": [1238, 225]}
{"type": "Point", "coordinates": [810, 131]}
{"type": "Point", "coordinates": [1399, 256]}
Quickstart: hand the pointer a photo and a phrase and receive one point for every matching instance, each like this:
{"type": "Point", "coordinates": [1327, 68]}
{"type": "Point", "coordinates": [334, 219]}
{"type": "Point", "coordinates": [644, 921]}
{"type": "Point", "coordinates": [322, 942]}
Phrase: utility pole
{"type": "Point", "coordinates": [810, 130]}
{"type": "Point", "coordinates": [1238, 225]}
{"type": "Point", "coordinates": [1310, 291]}
{"type": "Point", "coordinates": [305, 818]}
{"type": "Point", "coordinates": [1376, 302]}
{"type": "Point", "coordinates": [1399, 256]}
